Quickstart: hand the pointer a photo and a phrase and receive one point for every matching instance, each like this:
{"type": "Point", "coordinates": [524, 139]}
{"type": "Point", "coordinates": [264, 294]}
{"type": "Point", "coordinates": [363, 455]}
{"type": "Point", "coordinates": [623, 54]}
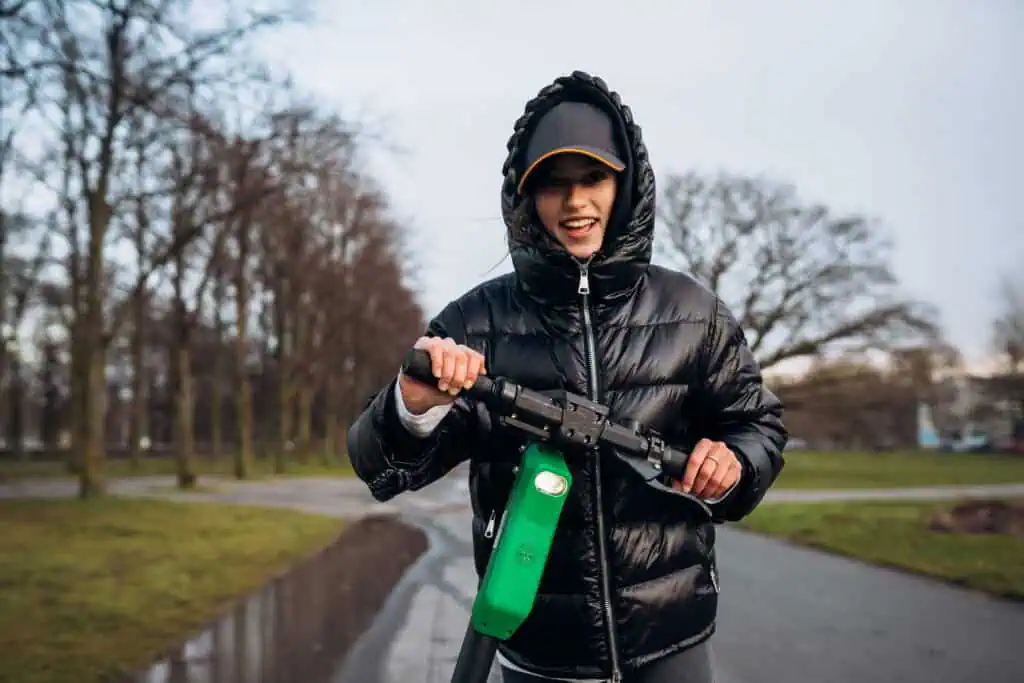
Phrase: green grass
{"type": "Point", "coordinates": [896, 534]}
{"type": "Point", "coordinates": [92, 589]}
{"type": "Point", "coordinates": [262, 468]}
{"type": "Point", "coordinates": [814, 470]}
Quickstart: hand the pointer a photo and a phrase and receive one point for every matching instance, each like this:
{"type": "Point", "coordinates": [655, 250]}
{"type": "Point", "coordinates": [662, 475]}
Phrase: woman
{"type": "Point", "coordinates": [630, 592]}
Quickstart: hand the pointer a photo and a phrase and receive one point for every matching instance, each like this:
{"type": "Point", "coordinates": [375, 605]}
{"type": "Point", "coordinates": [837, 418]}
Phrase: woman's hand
{"type": "Point", "coordinates": [455, 366]}
{"type": "Point", "coordinates": [711, 470]}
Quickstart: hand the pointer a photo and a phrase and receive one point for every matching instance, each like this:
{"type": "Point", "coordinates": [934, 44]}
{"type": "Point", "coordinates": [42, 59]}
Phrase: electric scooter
{"type": "Point", "coordinates": [568, 425]}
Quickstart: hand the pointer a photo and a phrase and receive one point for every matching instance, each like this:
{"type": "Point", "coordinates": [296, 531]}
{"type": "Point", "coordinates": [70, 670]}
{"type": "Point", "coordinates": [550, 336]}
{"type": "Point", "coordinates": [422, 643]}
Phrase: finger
{"type": "Point", "coordinates": [726, 476]}
{"type": "Point", "coordinates": [473, 369]}
{"type": "Point", "coordinates": [429, 344]}
{"type": "Point", "coordinates": [705, 476]}
{"type": "Point", "coordinates": [447, 369]}
{"type": "Point", "coordinates": [459, 376]}
{"type": "Point", "coordinates": [721, 458]}
{"type": "Point", "coordinates": [693, 463]}
{"type": "Point", "coordinates": [717, 485]}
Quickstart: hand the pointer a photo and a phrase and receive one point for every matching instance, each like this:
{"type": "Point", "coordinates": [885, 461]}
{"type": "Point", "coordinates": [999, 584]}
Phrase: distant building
{"type": "Point", "coordinates": [998, 408]}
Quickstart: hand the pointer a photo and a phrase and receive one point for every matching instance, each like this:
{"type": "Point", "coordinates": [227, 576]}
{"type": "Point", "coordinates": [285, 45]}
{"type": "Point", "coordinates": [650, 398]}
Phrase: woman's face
{"type": "Point", "coordinates": [574, 195]}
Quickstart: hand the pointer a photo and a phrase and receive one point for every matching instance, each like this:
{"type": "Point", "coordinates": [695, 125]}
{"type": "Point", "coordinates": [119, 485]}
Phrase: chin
{"type": "Point", "coordinates": [583, 253]}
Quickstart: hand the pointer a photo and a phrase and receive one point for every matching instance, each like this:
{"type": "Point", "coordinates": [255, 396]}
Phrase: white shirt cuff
{"type": "Point", "coordinates": [719, 499]}
{"type": "Point", "coordinates": [419, 425]}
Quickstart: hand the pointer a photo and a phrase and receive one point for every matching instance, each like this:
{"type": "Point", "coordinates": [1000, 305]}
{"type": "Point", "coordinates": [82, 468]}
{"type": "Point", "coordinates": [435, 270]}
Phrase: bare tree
{"type": "Point", "coordinates": [19, 277]}
{"type": "Point", "coordinates": [20, 259]}
{"type": "Point", "coordinates": [1008, 328]}
{"type": "Point", "coordinates": [219, 269]}
{"type": "Point", "coordinates": [117, 64]}
{"type": "Point", "coordinates": [318, 154]}
{"type": "Point", "coordinates": [800, 279]}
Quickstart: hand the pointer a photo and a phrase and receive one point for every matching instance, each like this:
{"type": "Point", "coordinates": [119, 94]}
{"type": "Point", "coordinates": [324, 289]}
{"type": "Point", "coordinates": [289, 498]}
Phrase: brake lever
{"type": "Point", "coordinates": [653, 477]}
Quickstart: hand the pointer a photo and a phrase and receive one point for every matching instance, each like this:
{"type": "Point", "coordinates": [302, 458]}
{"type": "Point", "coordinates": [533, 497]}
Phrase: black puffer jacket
{"type": "Point", "coordinates": [631, 576]}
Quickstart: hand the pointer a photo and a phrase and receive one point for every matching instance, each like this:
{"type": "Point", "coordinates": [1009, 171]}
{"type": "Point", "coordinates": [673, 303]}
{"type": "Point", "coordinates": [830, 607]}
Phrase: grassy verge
{"type": "Point", "coordinates": [896, 534]}
{"type": "Point", "coordinates": [92, 589]}
{"type": "Point", "coordinates": [153, 466]}
{"type": "Point", "coordinates": [813, 470]}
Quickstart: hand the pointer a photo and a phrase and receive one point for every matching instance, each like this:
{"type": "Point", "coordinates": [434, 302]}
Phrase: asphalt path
{"type": "Point", "coordinates": [787, 613]}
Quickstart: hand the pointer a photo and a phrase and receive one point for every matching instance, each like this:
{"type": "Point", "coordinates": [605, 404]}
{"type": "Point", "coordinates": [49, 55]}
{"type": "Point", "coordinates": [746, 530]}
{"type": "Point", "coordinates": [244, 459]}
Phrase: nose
{"type": "Point", "coordinates": [575, 195]}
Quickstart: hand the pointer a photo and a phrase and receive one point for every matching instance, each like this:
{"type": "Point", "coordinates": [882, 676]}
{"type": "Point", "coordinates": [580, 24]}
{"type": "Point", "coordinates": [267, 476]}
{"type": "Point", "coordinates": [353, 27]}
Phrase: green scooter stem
{"type": "Point", "coordinates": [522, 544]}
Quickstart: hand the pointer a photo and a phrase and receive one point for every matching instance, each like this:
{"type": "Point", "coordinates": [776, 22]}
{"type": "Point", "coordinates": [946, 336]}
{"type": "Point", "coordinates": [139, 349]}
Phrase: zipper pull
{"type": "Point", "coordinates": [584, 287]}
{"type": "Point", "coordinates": [489, 531]}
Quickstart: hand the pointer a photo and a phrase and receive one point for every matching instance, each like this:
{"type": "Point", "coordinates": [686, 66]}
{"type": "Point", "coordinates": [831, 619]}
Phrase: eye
{"type": "Point", "coordinates": [555, 182]}
{"type": "Point", "coordinates": [594, 177]}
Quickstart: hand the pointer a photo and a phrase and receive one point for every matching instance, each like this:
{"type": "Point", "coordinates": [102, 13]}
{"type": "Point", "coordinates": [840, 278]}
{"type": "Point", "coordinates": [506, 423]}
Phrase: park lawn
{"type": "Point", "coordinates": [93, 589]}
{"type": "Point", "coordinates": [826, 470]}
{"type": "Point", "coordinates": [896, 534]}
{"type": "Point", "coordinates": [262, 468]}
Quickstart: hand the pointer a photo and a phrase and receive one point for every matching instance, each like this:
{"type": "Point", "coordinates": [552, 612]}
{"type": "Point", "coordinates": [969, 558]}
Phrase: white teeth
{"type": "Point", "coordinates": [578, 223]}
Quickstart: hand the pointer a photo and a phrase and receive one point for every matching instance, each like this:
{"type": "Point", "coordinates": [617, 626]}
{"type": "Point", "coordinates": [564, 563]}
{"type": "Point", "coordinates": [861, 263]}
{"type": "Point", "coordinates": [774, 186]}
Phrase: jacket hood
{"type": "Point", "coordinates": [546, 271]}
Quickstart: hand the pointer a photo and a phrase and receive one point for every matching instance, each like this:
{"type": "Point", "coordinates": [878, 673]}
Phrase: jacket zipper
{"type": "Point", "coordinates": [489, 531]}
{"type": "Point", "coordinates": [593, 386]}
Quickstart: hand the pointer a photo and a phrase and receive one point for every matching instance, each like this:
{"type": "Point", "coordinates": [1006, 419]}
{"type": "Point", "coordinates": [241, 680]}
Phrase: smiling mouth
{"type": "Point", "coordinates": [578, 225]}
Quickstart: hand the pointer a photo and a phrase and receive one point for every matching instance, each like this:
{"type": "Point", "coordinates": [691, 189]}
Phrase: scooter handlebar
{"type": "Point", "coordinates": [417, 365]}
{"type": "Point", "coordinates": [648, 455]}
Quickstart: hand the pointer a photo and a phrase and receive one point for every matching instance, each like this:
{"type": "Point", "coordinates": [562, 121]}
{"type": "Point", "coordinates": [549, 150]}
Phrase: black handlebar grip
{"type": "Point", "coordinates": [673, 463]}
{"type": "Point", "coordinates": [417, 365]}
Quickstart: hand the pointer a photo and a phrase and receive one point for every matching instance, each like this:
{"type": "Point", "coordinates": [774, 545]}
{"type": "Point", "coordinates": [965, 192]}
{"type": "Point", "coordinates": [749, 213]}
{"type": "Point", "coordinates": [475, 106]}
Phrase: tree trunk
{"type": "Point", "coordinates": [78, 381]}
{"type": "Point", "coordinates": [243, 455]}
{"type": "Point", "coordinates": [331, 434]}
{"type": "Point", "coordinates": [184, 433]}
{"type": "Point", "coordinates": [284, 421]}
{"type": "Point", "coordinates": [16, 407]}
{"type": "Point", "coordinates": [140, 400]}
{"type": "Point", "coordinates": [93, 377]}
{"type": "Point", "coordinates": [285, 406]}
{"type": "Point", "coordinates": [92, 481]}
{"type": "Point", "coordinates": [216, 403]}
{"type": "Point", "coordinates": [285, 373]}
{"type": "Point", "coordinates": [217, 395]}
{"type": "Point", "coordinates": [305, 421]}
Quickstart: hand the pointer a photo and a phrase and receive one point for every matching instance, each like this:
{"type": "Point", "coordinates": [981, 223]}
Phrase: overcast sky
{"type": "Point", "coordinates": [909, 111]}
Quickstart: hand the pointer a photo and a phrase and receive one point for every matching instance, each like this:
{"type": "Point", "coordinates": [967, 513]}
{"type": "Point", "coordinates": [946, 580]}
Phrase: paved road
{"type": "Point", "coordinates": [792, 614]}
{"type": "Point", "coordinates": [788, 614]}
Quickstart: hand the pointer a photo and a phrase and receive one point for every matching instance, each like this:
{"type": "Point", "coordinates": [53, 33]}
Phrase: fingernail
{"type": "Point", "coordinates": [442, 386]}
{"type": "Point", "coordinates": [467, 385]}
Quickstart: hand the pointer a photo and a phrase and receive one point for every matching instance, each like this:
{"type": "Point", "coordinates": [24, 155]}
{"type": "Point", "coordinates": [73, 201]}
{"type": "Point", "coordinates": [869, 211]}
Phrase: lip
{"type": "Point", "coordinates": [580, 234]}
{"type": "Point", "coordinates": [587, 228]}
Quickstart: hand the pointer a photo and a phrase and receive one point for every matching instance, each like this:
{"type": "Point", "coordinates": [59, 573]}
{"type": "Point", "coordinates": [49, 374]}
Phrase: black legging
{"type": "Point", "coordinates": [689, 666]}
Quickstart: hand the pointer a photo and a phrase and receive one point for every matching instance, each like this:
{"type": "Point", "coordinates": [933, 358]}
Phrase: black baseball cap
{"type": "Point", "coordinates": [572, 127]}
